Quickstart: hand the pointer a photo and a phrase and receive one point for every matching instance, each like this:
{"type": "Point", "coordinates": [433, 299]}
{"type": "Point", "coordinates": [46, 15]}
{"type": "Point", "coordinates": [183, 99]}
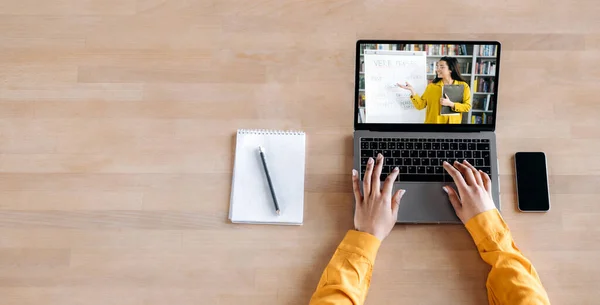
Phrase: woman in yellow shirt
{"type": "Point", "coordinates": [447, 73]}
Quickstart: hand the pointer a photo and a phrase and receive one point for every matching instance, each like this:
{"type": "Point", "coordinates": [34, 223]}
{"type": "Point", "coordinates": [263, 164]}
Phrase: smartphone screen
{"type": "Point", "coordinates": [532, 182]}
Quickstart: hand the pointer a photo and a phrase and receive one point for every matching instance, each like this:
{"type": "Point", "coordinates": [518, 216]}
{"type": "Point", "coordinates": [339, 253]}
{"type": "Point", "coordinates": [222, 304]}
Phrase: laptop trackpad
{"type": "Point", "coordinates": [425, 203]}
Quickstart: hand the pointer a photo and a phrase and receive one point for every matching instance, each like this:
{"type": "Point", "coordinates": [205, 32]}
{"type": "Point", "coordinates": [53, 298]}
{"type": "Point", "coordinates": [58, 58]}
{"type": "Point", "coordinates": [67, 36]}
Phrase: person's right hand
{"type": "Point", "coordinates": [474, 188]}
{"type": "Point", "coordinates": [406, 86]}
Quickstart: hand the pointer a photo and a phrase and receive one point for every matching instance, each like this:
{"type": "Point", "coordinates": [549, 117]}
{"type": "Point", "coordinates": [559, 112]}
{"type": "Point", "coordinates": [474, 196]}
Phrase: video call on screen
{"type": "Point", "coordinates": [439, 75]}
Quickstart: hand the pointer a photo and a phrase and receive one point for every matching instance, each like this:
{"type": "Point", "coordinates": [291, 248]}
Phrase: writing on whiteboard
{"type": "Point", "coordinates": [397, 63]}
{"type": "Point", "coordinates": [385, 101]}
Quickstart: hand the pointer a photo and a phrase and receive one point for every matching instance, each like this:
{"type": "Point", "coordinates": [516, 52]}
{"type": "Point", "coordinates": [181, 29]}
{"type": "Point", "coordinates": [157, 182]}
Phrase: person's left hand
{"type": "Point", "coordinates": [376, 212]}
{"type": "Point", "coordinates": [446, 101]}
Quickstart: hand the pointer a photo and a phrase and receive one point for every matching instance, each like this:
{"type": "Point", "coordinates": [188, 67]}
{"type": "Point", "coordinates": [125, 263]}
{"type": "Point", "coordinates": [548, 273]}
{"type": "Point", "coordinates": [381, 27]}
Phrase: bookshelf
{"type": "Point", "coordinates": [478, 67]}
{"type": "Point", "coordinates": [456, 56]}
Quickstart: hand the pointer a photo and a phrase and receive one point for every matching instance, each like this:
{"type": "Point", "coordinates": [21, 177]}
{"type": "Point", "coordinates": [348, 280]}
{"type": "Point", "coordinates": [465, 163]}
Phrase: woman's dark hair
{"type": "Point", "coordinates": [453, 67]}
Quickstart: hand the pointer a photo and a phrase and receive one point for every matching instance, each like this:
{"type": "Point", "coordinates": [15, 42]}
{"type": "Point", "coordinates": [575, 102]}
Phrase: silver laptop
{"type": "Point", "coordinates": [399, 112]}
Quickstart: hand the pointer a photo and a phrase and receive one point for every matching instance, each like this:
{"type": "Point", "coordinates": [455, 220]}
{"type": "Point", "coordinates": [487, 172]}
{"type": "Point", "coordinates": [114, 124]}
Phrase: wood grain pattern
{"type": "Point", "coordinates": [117, 122]}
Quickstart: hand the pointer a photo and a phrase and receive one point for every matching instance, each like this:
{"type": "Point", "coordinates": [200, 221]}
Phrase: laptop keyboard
{"type": "Point", "coordinates": [420, 159]}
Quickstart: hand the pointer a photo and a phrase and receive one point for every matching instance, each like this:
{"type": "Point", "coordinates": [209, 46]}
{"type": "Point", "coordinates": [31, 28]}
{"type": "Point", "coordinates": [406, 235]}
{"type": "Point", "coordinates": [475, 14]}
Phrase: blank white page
{"type": "Point", "coordinates": [251, 200]}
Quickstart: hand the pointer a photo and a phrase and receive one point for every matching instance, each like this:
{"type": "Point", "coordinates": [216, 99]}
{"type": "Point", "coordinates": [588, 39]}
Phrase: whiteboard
{"type": "Point", "coordinates": [385, 102]}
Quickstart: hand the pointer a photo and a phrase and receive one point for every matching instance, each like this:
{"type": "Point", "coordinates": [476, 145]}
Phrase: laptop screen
{"type": "Point", "coordinates": [427, 83]}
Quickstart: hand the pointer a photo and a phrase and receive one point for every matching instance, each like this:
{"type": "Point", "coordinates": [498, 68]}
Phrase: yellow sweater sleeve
{"type": "Point", "coordinates": [347, 277]}
{"type": "Point", "coordinates": [420, 102]}
{"type": "Point", "coordinates": [512, 280]}
{"type": "Point", "coordinates": [465, 106]}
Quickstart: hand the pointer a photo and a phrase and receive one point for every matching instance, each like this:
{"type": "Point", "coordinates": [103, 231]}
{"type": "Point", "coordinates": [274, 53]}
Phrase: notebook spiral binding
{"type": "Point", "coordinates": [271, 132]}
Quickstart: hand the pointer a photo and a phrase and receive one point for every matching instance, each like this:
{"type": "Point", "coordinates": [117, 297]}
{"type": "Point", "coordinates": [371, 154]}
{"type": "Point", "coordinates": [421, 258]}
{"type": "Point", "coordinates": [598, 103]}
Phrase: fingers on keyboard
{"type": "Point", "coordinates": [420, 159]}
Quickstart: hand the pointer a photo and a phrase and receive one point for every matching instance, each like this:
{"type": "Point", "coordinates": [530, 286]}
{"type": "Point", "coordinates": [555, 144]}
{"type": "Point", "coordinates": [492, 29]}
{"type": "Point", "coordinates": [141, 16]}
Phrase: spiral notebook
{"type": "Point", "coordinates": [251, 200]}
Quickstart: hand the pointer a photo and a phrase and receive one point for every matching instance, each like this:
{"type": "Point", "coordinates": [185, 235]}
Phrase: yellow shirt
{"type": "Point", "coordinates": [512, 280]}
{"type": "Point", "coordinates": [431, 99]}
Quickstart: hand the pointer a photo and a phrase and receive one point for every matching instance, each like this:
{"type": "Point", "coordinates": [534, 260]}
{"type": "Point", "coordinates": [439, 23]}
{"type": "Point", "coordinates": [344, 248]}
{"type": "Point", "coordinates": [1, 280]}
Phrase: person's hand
{"type": "Point", "coordinates": [376, 212]}
{"type": "Point", "coordinates": [474, 188]}
{"type": "Point", "coordinates": [445, 101]}
{"type": "Point", "coordinates": [407, 86]}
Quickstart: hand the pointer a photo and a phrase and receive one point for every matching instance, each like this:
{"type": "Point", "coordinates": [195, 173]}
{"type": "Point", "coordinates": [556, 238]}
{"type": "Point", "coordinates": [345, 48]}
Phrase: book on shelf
{"type": "Point", "coordinates": [444, 49]}
{"type": "Point", "coordinates": [491, 102]}
{"type": "Point", "coordinates": [479, 102]}
{"type": "Point", "coordinates": [418, 47]}
{"type": "Point", "coordinates": [431, 67]}
{"type": "Point", "coordinates": [379, 46]}
{"type": "Point", "coordinates": [483, 118]}
{"type": "Point", "coordinates": [487, 50]}
{"type": "Point", "coordinates": [484, 85]}
{"type": "Point", "coordinates": [387, 46]}
{"type": "Point", "coordinates": [485, 67]}
{"type": "Point", "coordinates": [467, 68]}
{"type": "Point", "coordinates": [476, 119]}
{"type": "Point", "coordinates": [366, 46]}
{"type": "Point", "coordinates": [410, 47]}
{"type": "Point", "coordinates": [361, 99]}
{"type": "Point", "coordinates": [483, 102]}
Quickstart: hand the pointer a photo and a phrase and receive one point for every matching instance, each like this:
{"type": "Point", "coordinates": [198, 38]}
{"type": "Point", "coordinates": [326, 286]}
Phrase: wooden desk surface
{"type": "Point", "coordinates": [116, 147]}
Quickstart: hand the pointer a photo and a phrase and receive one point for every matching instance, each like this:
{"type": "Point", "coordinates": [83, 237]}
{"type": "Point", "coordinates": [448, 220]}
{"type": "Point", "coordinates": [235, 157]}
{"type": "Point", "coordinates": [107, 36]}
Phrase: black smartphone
{"type": "Point", "coordinates": [533, 193]}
